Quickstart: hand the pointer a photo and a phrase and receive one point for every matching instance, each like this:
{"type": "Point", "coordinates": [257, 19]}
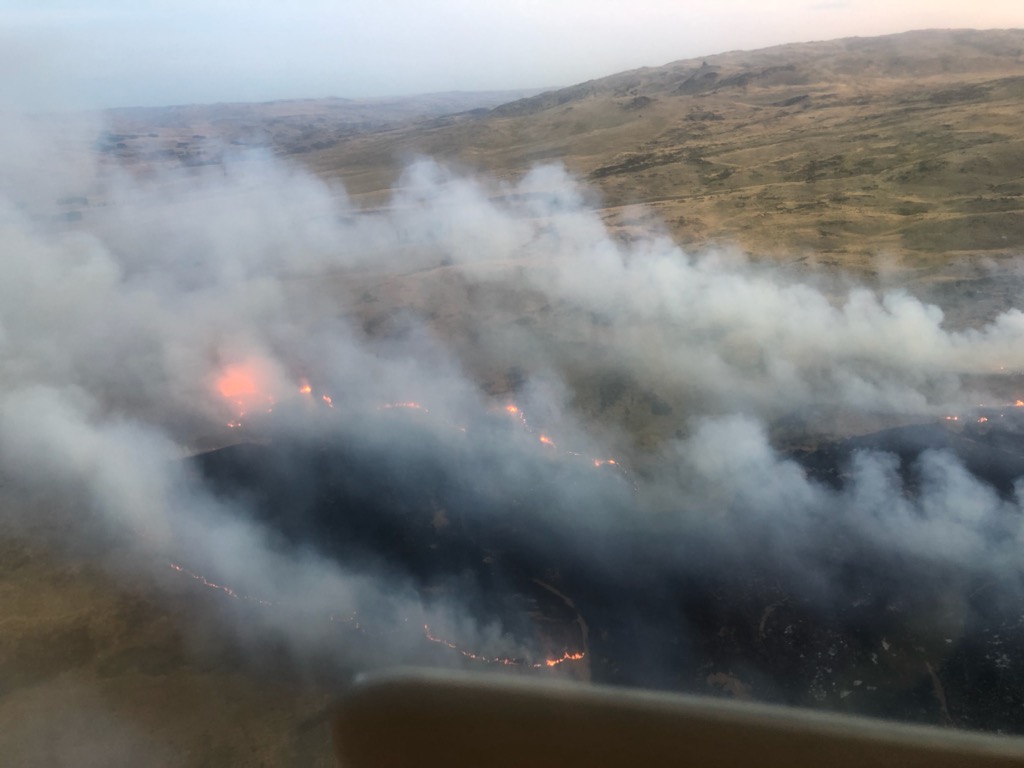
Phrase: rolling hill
{"type": "Point", "coordinates": [907, 146]}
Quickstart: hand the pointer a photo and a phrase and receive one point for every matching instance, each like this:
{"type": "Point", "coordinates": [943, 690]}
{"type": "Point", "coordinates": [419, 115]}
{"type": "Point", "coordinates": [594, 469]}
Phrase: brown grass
{"type": "Point", "coordinates": [910, 146]}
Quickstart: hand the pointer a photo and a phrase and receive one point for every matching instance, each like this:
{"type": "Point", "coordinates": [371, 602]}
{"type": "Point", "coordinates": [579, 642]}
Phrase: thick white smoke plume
{"type": "Point", "coordinates": [120, 323]}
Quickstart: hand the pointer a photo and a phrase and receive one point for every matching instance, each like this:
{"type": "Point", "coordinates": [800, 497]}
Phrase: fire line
{"type": "Point", "coordinates": [354, 621]}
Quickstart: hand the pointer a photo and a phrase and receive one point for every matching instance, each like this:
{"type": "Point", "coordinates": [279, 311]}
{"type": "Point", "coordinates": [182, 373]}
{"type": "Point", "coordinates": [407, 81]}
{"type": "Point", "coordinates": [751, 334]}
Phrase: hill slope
{"type": "Point", "coordinates": [908, 144]}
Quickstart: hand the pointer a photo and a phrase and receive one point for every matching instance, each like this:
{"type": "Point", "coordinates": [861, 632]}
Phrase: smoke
{"type": "Point", "coordinates": [118, 325]}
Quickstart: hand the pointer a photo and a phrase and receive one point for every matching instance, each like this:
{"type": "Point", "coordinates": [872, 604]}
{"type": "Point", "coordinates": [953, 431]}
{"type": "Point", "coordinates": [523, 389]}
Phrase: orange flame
{"type": "Point", "coordinates": [547, 440]}
{"type": "Point", "coordinates": [241, 385]}
{"type": "Point", "coordinates": [506, 661]}
{"type": "Point", "coordinates": [565, 657]}
{"type": "Point", "coordinates": [468, 654]}
{"type": "Point", "coordinates": [354, 621]}
{"type": "Point", "coordinates": [237, 383]}
{"type": "Point", "coordinates": [1019, 403]}
{"type": "Point", "coordinates": [514, 410]}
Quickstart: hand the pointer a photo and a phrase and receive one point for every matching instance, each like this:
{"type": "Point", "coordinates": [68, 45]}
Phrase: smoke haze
{"type": "Point", "coordinates": [119, 333]}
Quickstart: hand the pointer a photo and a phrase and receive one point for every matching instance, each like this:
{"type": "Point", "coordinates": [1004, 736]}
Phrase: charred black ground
{"type": "Point", "coordinates": [989, 442]}
{"type": "Point", "coordinates": [896, 636]}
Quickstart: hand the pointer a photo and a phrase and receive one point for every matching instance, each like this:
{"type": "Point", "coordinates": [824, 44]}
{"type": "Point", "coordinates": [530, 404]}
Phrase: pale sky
{"type": "Point", "coordinates": [100, 53]}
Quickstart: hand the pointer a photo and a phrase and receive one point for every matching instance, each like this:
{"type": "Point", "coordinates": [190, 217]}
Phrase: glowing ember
{"type": "Point", "coordinates": [327, 399]}
{"type": "Point", "coordinates": [513, 410]}
{"type": "Point", "coordinates": [305, 389]}
{"type": "Point", "coordinates": [952, 418]}
{"type": "Point", "coordinates": [544, 439]}
{"type": "Point", "coordinates": [1019, 403]}
{"type": "Point", "coordinates": [410, 405]}
{"type": "Point", "coordinates": [508, 662]}
{"type": "Point", "coordinates": [565, 657]}
{"type": "Point", "coordinates": [469, 654]}
{"type": "Point", "coordinates": [353, 620]}
{"type": "Point", "coordinates": [219, 587]}
{"type": "Point", "coordinates": [983, 419]}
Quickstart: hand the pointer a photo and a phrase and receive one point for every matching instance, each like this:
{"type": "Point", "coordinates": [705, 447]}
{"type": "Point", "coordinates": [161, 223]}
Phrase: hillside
{"type": "Point", "coordinates": [197, 134]}
{"type": "Point", "coordinates": [906, 145]}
